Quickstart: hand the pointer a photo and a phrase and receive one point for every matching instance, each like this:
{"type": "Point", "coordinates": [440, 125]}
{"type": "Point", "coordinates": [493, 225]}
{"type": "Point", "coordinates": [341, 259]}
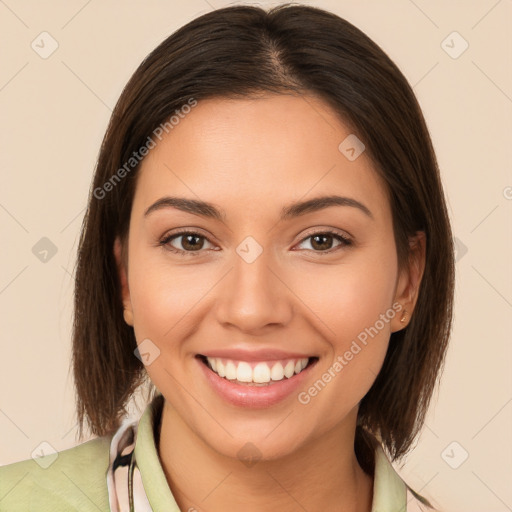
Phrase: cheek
{"type": "Point", "coordinates": [355, 301]}
{"type": "Point", "coordinates": [169, 298]}
{"type": "Point", "coordinates": [162, 295]}
{"type": "Point", "coordinates": [352, 296]}
{"type": "Point", "coordinates": [164, 298]}
{"type": "Point", "coordinates": [148, 284]}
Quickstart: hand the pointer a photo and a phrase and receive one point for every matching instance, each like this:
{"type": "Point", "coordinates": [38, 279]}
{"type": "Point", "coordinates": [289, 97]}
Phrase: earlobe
{"type": "Point", "coordinates": [123, 280]}
{"type": "Point", "coordinates": [128, 316]}
{"type": "Point", "coordinates": [409, 282]}
{"type": "Point", "coordinates": [402, 317]}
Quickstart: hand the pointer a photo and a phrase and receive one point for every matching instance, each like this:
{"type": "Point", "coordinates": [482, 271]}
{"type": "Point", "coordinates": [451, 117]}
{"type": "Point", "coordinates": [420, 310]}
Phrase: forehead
{"type": "Point", "coordinates": [258, 152]}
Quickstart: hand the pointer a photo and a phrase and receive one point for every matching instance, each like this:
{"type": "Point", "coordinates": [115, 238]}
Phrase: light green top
{"type": "Point", "coordinates": [76, 480]}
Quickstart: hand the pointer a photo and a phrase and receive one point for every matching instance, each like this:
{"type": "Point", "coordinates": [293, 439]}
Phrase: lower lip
{"type": "Point", "coordinates": [254, 396]}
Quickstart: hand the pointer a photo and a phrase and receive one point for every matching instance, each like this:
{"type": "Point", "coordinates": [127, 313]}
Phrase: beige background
{"type": "Point", "coordinates": [55, 111]}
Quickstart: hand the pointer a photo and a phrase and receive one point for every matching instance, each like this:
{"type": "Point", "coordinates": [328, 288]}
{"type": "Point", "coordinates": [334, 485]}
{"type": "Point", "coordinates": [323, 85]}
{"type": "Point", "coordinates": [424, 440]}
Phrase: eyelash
{"type": "Point", "coordinates": [164, 242]}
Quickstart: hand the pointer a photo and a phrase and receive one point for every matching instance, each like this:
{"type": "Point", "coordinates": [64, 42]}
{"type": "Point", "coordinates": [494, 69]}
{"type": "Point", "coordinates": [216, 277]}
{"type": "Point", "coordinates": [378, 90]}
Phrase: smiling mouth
{"type": "Point", "coordinates": [262, 373]}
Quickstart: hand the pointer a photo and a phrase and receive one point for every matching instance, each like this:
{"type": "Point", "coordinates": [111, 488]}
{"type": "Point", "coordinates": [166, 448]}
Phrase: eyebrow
{"type": "Point", "coordinates": [205, 209]}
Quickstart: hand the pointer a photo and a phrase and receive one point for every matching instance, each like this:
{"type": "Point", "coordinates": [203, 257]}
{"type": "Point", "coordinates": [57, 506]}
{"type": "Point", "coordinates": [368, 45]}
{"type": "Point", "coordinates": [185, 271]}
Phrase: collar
{"type": "Point", "coordinates": [136, 481]}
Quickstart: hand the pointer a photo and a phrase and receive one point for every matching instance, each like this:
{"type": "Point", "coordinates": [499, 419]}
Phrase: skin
{"type": "Point", "coordinates": [251, 157]}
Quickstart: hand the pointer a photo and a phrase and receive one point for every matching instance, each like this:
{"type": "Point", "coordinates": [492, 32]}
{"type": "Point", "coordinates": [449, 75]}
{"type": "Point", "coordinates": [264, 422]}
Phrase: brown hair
{"type": "Point", "coordinates": [236, 52]}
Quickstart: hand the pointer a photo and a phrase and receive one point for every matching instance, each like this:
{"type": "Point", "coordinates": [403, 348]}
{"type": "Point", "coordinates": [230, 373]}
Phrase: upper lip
{"type": "Point", "coordinates": [269, 354]}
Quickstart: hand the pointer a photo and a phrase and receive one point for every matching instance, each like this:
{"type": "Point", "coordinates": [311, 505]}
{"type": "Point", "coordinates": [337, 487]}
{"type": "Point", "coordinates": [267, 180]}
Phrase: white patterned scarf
{"type": "Point", "coordinates": [124, 483]}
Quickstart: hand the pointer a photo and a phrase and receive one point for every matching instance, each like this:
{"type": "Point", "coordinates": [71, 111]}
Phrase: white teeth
{"type": "Point", "coordinates": [220, 368]}
{"type": "Point", "coordinates": [262, 372]}
{"type": "Point", "coordinates": [277, 372]}
{"type": "Point", "coordinates": [230, 370]}
{"type": "Point", "coordinates": [244, 372]}
{"type": "Point", "coordinates": [289, 369]}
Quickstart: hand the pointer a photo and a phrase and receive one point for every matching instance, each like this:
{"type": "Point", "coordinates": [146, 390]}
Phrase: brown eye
{"type": "Point", "coordinates": [322, 241]}
{"type": "Point", "coordinates": [191, 242]}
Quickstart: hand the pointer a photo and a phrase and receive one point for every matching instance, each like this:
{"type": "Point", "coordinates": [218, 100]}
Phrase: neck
{"type": "Point", "coordinates": [314, 477]}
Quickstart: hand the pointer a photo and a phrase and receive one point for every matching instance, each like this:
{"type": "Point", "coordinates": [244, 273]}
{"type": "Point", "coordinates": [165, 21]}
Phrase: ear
{"type": "Point", "coordinates": [409, 281]}
{"type": "Point", "coordinates": [122, 271]}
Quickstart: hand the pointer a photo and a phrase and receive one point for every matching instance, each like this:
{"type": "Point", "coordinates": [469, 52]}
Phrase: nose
{"type": "Point", "coordinates": [254, 297]}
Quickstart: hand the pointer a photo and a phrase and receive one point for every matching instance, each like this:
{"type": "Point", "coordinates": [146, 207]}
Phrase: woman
{"type": "Point", "coordinates": [266, 246]}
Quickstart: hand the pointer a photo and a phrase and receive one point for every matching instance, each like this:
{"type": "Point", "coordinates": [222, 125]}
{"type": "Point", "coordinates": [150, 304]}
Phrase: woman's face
{"type": "Point", "coordinates": [261, 286]}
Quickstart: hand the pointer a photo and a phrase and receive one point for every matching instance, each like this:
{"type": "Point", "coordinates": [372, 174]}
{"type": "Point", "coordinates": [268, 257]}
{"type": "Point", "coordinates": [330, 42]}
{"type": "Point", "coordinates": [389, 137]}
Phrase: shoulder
{"type": "Point", "coordinates": [73, 479]}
